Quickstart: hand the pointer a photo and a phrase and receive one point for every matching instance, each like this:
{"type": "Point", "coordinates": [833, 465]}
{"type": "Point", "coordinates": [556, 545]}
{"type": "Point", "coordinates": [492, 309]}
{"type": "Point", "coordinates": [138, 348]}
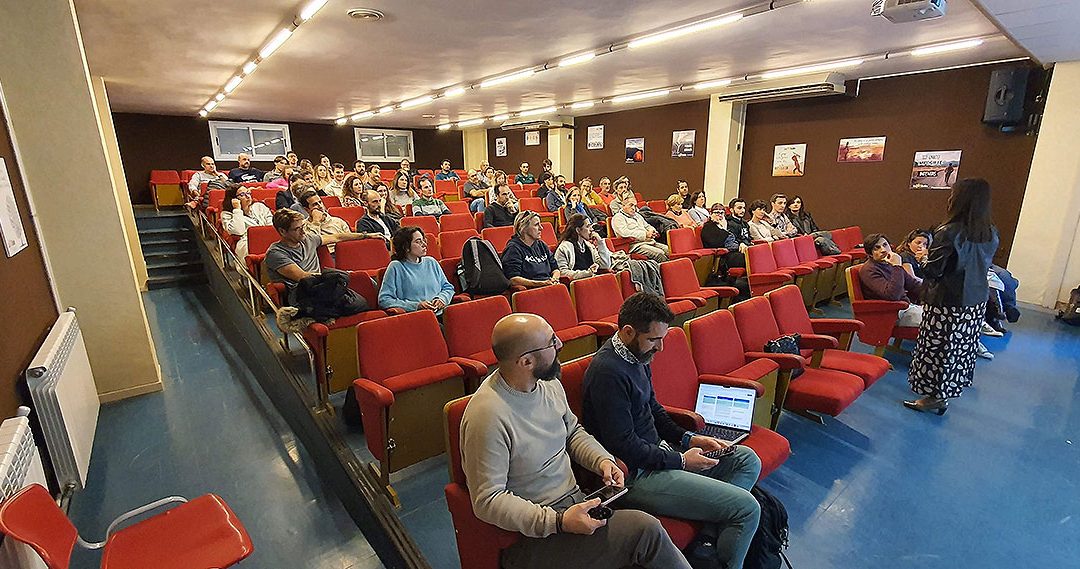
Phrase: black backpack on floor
{"type": "Point", "coordinates": [1071, 314]}
{"type": "Point", "coordinates": [767, 549]}
{"type": "Point", "coordinates": [480, 270]}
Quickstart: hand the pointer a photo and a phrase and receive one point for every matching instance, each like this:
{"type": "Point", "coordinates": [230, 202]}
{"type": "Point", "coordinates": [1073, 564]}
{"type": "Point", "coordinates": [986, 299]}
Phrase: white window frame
{"type": "Point", "coordinates": [256, 156]}
{"type": "Point", "coordinates": [358, 132]}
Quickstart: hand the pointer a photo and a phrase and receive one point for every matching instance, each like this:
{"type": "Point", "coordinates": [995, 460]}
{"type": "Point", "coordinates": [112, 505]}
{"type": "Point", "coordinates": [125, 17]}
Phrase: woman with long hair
{"type": "Point", "coordinates": [697, 210]}
{"type": "Point", "coordinates": [581, 252]}
{"type": "Point", "coordinates": [954, 302]}
{"type": "Point", "coordinates": [352, 190]}
{"type": "Point", "coordinates": [322, 177]}
{"type": "Point", "coordinates": [800, 218]}
{"type": "Point", "coordinates": [914, 250]}
{"type": "Point", "coordinates": [391, 209]}
{"type": "Point", "coordinates": [402, 192]}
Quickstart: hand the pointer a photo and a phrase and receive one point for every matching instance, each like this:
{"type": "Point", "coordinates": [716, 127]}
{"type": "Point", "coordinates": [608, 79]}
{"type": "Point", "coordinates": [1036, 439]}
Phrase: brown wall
{"type": "Point", "coordinates": [517, 152]}
{"type": "Point", "coordinates": [932, 111]}
{"type": "Point", "coordinates": [158, 142]}
{"type": "Point", "coordinates": [28, 310]}
{"type": "Point", "coordinates": [656, 177]}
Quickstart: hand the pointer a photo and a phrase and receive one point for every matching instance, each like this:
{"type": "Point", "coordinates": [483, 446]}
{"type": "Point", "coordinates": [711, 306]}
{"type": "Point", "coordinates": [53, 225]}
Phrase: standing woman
{"type": "Point", "coordinates": [955, 300]}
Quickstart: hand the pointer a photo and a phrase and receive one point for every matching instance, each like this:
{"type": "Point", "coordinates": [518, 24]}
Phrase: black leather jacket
{"type": "Point", "coordinates": [955, 272]}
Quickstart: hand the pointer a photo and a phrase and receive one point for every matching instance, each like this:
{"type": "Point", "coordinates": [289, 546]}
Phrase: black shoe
{"type": "Point", "coordinates": [997, 325]}
{"type": "Point", "coordinates": [1012, 314]}
{"type": "Point", "coordinates": [928, 405]}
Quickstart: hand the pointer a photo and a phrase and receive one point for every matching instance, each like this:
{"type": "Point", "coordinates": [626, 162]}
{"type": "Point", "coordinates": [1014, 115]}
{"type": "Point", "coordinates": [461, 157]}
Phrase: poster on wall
{"type": "Point", "coordinates": [11, 227]}
{"type": "Point", "coordinates": [935, 169]}
{"type": "Point", "coordinates": [682, 143]}
{"type": "Point", "coordinates": [788, 159]}
{"type": "Point", "coordinates": [500, 147]}
{"type": "Point", "coordinates": [595, 138]}
{"type": "Point", "coordinates": [532, 138]}
{"type": "Point", "coordinates": [635, 150]}
{"type": "Point", "coordinates": [865, 149]}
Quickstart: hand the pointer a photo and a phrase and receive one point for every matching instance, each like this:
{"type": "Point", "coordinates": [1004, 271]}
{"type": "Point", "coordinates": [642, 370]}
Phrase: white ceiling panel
{"type": "Point", "coordinates": [1046, 28]}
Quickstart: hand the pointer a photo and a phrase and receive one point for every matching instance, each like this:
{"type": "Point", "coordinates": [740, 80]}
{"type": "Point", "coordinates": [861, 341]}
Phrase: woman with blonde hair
{"type": "Point", "coordinates": [322, 177]}
{"type": "Point", "coordinates": [676, 213]}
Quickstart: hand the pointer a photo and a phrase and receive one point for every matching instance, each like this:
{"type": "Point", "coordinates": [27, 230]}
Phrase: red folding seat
{"type": "Point", "coordinates": [817, 390]}
{"type": "Point", "coordinates": [519, 193]}
{"type": "Point", "coordinates": [685, 243]}
{"type": "Point", "coordinates": [878, 316]}
{"type": "Point", "coordinates": [363, 255]}
{"type": "Point", "coordinates": [260, 194]}
{"type": "Point", "coordinates": [203, 532]}
{"type": "Point", "coordinates": [791, 318]}
{"type": "Point", "coordinates": [185, 176]}
{"type": "Point", "coordinates": [623, 244]}
{"type": "Point", "coordinates": [259, 239]}
{"type": "Point", "coordinates": [850, 242]}
{"type": "Point", "coordinates": [452, 242]}
{"type": "Point", "coordinates": [806, 275]}
{"type": "Point", "coordinates": [830, 267]}
{"type": "Point", "coordinates": [446, 190]}
{"type": "Point", "coordinates": [683, 309]}
{"type": "Point", "coordinates": [537, 205]}
{"type": "Point", "coordinates": [499, 236]}
{"type": "Point", "coordinates": [677, 386]}
{"type": "Point", "coordinates": [459, 207]}
{"type": "Point", "coordinates": [165, 188]}
{"type": "Point", "coordinates": [597, 300]}
{"type": "Point", "coordinates": [658, 206]}
{"type": "Point", "coordinates": [680, 283]}
{"type": "Point", "coordinates": [215, 205]}
{"type": "Point", "coordinates": [462, 175]}
{"type": "Point", "coordinates": [531, 188]}
{"type": "Point", "coordinates": [456, 222]}
{"type": "Point", "coordinates": [271, 203]}
{"type": "Point", "coordinates": [406, 377]}
{"type": "Point", "coordinates": [467, 327]}
{"type": "Point", "coordinates": [547, 235]}
{"type": "Point", "coordinates": [433, 246]}
{"type": "Point", "coordinates": [331, 201]}
{"type": "Point", "coordinates": [426, 222]}
{"type": "Point", "coordinates": [762, 272]}
{"type": "Point", "coordinates": [349, 215]}
{"type": "Point", "coordinates": [553, 304]}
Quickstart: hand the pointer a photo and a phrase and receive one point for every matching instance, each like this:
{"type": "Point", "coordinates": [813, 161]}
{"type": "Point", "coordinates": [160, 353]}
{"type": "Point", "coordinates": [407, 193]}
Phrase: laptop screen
{"type": "Point", "coordinates": [726, 406]}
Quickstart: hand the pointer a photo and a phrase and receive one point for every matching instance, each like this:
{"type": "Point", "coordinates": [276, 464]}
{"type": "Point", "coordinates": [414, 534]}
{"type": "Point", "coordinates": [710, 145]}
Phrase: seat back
{"type": "Point", "coordinates": [217, 197]}
{"type": "Point", "coordinates": [845, 238]}
{"type": "Point", "coordinates": [658, 206]}
{"type": "Point", "coordinates": [260, 238]}
{"type": "Point", "coordinates": [260, 194]}
{"type": "Point", "coordinates": [805, 249]}
{"type": "Point", "coordinates": [455, 411]}
{"type": "Point", "coordinates": [457, 222]}
{"type": "Point", "coordinates": [679, 277]}
{"type": "Point", "coordinates": [855, 235]}
{"type": "Point", "coordinates": [789, 312]}
{"type": "Point", "coordinates": [550, 302]}
{"type": "Point", "coordinates": [445, 187]}
{"type": "Point", "coordinates": [531, 188]}
{"type": "Point", "coordinates": [675, 377]}
{"type": "Point", "coordinates": [391, 346]}
{"type": "Point", "coordinates": [547, 235]}
{"type": "Point", "coordinates": [433, 246]}
{"type": "Point", "coordinates": [683, 239]}
{"type": "Point", "coordinates": [468, 325]}
{"type": "Point", "coordinates": [452, 242]}
{"type": "Point", "coordinates": [32, 517]}
{"type": "Point", "coordinates": [759, 259]}
{"type": "Point", "coordinates": [164, 177]}
{"type": "Point", "coordinates": [755, 323]}
{"type": "Point", "coordinates": [783, 252]}
{"type": "Point", "coordinates": [532, 204]}
{"type": "Point", "coordinates": [461, 207]}
{"type": "Point", "coordinates": [331, 201]}
{"type": "Point", "coordinates": [499, 236]}
{"type": "Point", "coordinates": [362, 255]}
{"type": "Point", "coordinates": [715, 343]}
{"type": "Point", "coordinates": [854, 285]}
{"type": "Point", "coordinates": [363, 283]}
{"type": "Point", "coordinates": [349, 215]}
{"type": "Point", "coordinates": [596, 298]}
{"type": "Point", "coordinates": [426, 222]}
{"type": "Point", "coordinates": [573, 382]}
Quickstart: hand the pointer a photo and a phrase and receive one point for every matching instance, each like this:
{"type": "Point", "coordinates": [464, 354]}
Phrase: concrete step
{"type": "Point", "coordinates": [171, 281]}
{"type": "Point", "coordinates": [171, 257]}
{"type": "Point", "coordinates": [162, 221]}
{"type": "Point", "coordinates": [167, 247]}
{"type": "Point", "coordinates": [166, 235]}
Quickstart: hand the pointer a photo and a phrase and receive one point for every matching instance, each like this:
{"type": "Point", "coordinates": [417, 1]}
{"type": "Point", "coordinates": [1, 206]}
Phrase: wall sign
{"type": "Point", "coordinates": [11, 227]}
{"type": "Point", "coordinates": [595, 138]}
{"type": "Point", "coordinates": [682, 143]}
{"type": "Point", "coordinates": [865, 149]}
{"type": "Point", "coordinates": [935, 170]}
{"type": "Point", "coordinates": [788, 159]}
{"type": "Point", "coordinates": [635, 150]}
{"type": "Point", "coordinates": [500, 147]}
{"type": "Point", "coordinates": [532, 138]}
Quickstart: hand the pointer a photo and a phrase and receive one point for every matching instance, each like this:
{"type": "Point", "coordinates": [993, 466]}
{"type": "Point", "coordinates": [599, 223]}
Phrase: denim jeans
{"type": "Point", "coordinates": [476, 205]}
{"type": "Point", "coordinates": [718, 496]}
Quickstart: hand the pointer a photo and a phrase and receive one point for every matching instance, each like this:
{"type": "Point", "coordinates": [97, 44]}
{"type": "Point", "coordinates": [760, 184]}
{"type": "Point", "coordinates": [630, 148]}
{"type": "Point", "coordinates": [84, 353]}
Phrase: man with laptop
{"type": "Point", "coordinates": [672, 472]}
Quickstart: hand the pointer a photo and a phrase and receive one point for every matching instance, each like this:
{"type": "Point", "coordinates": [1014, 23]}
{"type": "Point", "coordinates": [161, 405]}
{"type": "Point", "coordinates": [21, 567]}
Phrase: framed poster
{"type": "Point", "coordinates": [595, 138]}
{"type": "Point", "coordinates": [11, 227]}
{"type": "Point", "coordinates": [635, 150]}
{"type": "Point", "coordinates": [935, 169]}
{"type": "Point", "coordinates": [788, 159]}
{"type": "Point", "coordinates": [532, 138]}
{"type": "Point", "coordinates": [500, 147]}
{"type": "Point", "coordinates": [682, 143]}
{"type": "Point", "coordinates": [865, 149]}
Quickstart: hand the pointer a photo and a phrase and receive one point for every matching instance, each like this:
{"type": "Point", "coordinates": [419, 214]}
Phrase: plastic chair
{"type": "Point", "coordinates": [685, 243]}
{"type": "Point", "coordinates": [553, 304]}
{"type": "Point", "coordinates": [683, 309]}
{"type": "Point", "coordinates": [427, 223]}
{"type": "Point", "coordinates": [459, 207]}
{"type": "Point", "coordinates": [259, 239]}
{"type": "Point", "coordinates": [349, 215]}
{"type": "Point", "coordinates": [165, 188]}
{"type": "Point", "coordinates": [878, 316]}
{"type": "Point", "coordinates": [806, 275]}
{"type": "Point", "coordinates": [446, 189]}
{"type": "Point", "coordinates": [830, 268]}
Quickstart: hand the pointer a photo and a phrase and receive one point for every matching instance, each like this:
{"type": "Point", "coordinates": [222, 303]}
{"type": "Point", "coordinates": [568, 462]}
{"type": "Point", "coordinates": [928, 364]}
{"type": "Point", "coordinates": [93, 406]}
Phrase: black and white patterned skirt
{"type": "Point", "coordinates": [943, 363]}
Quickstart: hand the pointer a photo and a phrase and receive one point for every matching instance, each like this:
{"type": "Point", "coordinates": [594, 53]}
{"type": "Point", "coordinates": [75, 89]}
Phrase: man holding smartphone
{"type": "Point", "coordinates": [518, 436]}
{"type": "Point", "coordinates": [673, 472]}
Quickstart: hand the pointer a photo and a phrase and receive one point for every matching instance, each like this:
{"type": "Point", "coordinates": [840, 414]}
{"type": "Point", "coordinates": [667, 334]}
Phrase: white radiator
{"type": "Point", "coordinates": [65, 400]}
{"type": "Point", "coordinates": [20, 465]}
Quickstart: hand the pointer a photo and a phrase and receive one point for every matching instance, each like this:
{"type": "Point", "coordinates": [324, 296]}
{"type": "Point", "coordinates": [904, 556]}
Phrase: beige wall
{"type": "Point", "coordinates": [561, 150]}
{"type": "Point", "coordinates": [723, 150]}
{"type": "Point", "coordinates": [55, 122]}
{"type": "Point", "coordinates": [1046, 252]}
{"type": "Point", "coordinates": [475, 145]}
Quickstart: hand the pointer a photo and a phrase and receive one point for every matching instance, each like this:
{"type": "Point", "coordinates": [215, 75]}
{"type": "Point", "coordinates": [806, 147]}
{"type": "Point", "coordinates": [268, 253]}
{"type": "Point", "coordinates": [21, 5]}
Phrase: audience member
{"type": "Point", "coordinates": [477, 189]}
{"type": "Point", "coordinates": [375, 218]}
{"type": "Point", "coordinates": [241, 213]}
{"type": "Point", "coordinates": [280, 163]}
{"type": "Point", "coordinates": [286, 197]}
{"type": "Point", "coordinates": [402, 192]}
{"type": "Point", "coordinates": [523, 176]}
{"type": "Point", "coordinates": [778, 218]}
{"type": "Point", "coordinates": [360, 169]}
{"type": "Point", "coordinates": [628, 223]}
{"type": "Point", "coordinates": [914, 250]}
{"type": "Point", "coordinates": [590, 196]}
{"type": "Point", "coordinates": [406, 166]}
{"type": "Point", "coordinates": [502, 211]}
{"type": "Point", "coordinates": [605, 190]}
{"type": "Point", "coordinates": [554, 195]}
{"type": "Point", "coordinates": [676, 212]}
{"type": "Point", "coordinates": [324, 161]}
{"type": "Point", "coordinates": [622, 193]}
{"type": "Point", "coordinates": [486, 173]}
{"type": "Point", "coordinates": [670, 475]}
{"type": "Point", "coordinates": [760, 228]}
{"type": "Point", "coordinates": [336, 185]}
{"type": "Point", "coordinates": [737, 224]}
{"type": "Point", "coordinates": [802, 220]}
{"type": "Point", "coordinates": [306, 166]}
{"type": "Point", "coordinates": [581, 252]}
{"type": "Point", "coordinates": [518, 437]}
{"type": "Point", "coordinates": [391, 209]}
{"type": "Point", "coordinates": [352, 191]}
{"type": "Point", "coordinates": [320, 221]}
{"type": "Point", "coordinates": [413, 280]}
{"type": "Point", "coordinates": [682, 188]}
{"type": "Point", "coordinates": [698, 212]}
{"type": "Point", "coordinates": [527, 261]}
{"type": "Point", "coordinates": [292, 158]}
{"type": "Point", "coordinates": [309, 178]}
{"type": "Point", "coordinates": [885, 276]}
{"type": "Point", "coordinates": [282, 182]}
{"type": "Point", "coordinates": [560, 182]}
{"type": "Point", "coordinates": [547, 182]}
{"type": "Point", "coordinates": [500, 178]}
{"type": "Point", "coordinates": [295, 257]}
{"type": "Point", "coordinates": [322, 178]}
{"type": "Point", "coordinates": [427, 203]}
{"type": "Point", "coordinates": [374, 175]}
{"type": "Point", "coordinates": [445, 173]}
{"type": "Point", "coordinates": [716, 234]}
{"type": "Point", "coordinates": [208, 174]}
{"type": "Point", "coordinates": [245, 172]}
{"type": "Point", "coordinates": [574, 206]}
{"type": "Point", "coordinates": [545, 166]}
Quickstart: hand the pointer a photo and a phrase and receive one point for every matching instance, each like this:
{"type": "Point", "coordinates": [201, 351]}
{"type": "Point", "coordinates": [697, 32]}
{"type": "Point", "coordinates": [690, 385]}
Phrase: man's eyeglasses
{"type": "Point", "coordinates": [554, 342]}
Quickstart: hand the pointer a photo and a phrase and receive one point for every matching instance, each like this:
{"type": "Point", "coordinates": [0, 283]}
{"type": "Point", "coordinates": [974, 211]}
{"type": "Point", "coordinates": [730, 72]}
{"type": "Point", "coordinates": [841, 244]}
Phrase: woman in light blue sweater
{"type": "Point", "coordinates": [414, 281]}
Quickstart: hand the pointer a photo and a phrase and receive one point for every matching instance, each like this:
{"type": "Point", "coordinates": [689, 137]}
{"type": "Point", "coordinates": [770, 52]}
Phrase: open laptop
{"type": "Point", "coordinates": [728, 411]}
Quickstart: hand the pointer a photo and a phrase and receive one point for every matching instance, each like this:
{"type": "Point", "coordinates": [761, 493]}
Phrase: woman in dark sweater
{"type": "Point", "coordinates": [915, 249]}
{"type": "Point", "coordinates": [715, 235]}
{"type": "Point", "coordinates": [800, 218]}
{"type": "Point", "coordinates": [884, 277]}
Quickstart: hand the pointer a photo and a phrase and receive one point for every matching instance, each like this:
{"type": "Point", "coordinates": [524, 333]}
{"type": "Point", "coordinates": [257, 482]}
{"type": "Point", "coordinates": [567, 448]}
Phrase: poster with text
{"type": "Point", "coordinates": [500, 147]}
{"type": "Point", "coordinates": [865, 149]}
{"type": "Point", "coordinates": [635, 150]}
{"type": "Point", "coordinates": [11, 227]}
{"type": "Point", "coordinates": [595, 138]}
{"type": "Point", "coordinates": [788, 159]}
{"type": "Point", "coordinates": [682, 143]}
{"type": "Point", "coordinates": [935, 170]}
{"type": "Point", "coordinates": [532, 138]}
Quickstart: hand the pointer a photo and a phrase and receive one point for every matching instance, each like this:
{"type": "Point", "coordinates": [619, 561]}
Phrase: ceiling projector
{"type": "Point", "coordinates": [901, 11]}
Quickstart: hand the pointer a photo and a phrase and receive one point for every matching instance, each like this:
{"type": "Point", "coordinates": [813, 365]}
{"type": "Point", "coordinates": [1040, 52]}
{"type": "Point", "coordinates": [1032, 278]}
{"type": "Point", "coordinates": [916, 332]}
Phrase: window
{"type": "Point", "coordinates": [380, 145]}
{"type": "Point", "coordinates": [263, 141]}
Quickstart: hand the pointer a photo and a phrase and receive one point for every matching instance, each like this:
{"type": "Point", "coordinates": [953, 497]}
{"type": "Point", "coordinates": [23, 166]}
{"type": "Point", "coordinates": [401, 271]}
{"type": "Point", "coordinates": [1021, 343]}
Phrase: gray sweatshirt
{"type": "Point", "coordinates": [516, 449]}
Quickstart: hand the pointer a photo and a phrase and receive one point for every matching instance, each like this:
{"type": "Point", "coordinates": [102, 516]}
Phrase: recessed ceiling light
{"type": "Point", "coordinates": [365, 14]}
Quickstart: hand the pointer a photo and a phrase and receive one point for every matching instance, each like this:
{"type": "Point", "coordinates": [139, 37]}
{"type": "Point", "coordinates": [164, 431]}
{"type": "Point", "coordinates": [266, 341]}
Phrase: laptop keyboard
{"type": "Point", "coordinates": [722, 433]}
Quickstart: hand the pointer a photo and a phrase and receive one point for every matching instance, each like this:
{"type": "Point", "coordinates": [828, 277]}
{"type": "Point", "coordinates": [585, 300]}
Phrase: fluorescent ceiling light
{"type": "Point", "coordinates": [582, 105]}
{"type": "Point", "coordinates": [203, 113]}
{"type": "Point", "coordinates": [713, 84]}
{"type": "Point", "coordinates": [534, 112]}
{"type": "Point", "coordinates": [275, 42]}
{"type": "Point", "coordinates": [386, 110]}
{"type": "Point", "coordinates": [416, 102]}
{"type": "Point", "coordinates": [210, 106]}
{"type": "Point", "coordinates": [311, 9]}
{"type": "Point", "coordinates": [702, 26]}
{"type": "Point", "coordinates": [507, 78]}
{"type": "Point", "coordinates": [219, 97]}
{"type": "Point", "coordinates": [233, 83]}
{"type": "Point", "coordinates": [640, 96]}
{"type": "Point", "coordinates": [812, 69]}
{"type": "Point", "coordinates": [445, 126]}
{"type": "Point", "coordinates": [362, 116]}
{"type": "Point", "coordinates": [501, 118]}
{"type": "Point", "coordinates": [341, 121]}
{"type": "Point", "coordinates": [473, 122]}
{"type": "Point", "coordinates": [574, 60]}
{"type": "Point", "coordinates": [454, 92]}
{"type": "Point", "coordinates": [249, 67]}
{"type": "Point", "coordinates": [946, 47]}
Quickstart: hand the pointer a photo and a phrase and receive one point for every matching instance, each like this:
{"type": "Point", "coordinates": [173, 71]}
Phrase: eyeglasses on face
{"type": "Point", "coordinates": [552, 344]}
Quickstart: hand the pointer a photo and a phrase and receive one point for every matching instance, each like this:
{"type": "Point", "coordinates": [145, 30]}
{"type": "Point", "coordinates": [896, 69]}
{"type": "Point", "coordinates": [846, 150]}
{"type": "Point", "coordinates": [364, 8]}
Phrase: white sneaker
{"type": "Point", "coordinates": [988, 330]}
{"type": "Point", "coordinates": [982, 352]}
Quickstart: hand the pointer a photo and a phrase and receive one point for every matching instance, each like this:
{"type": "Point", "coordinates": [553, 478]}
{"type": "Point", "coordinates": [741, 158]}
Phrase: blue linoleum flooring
{"type": "Point", "coordinates": [992, 484]}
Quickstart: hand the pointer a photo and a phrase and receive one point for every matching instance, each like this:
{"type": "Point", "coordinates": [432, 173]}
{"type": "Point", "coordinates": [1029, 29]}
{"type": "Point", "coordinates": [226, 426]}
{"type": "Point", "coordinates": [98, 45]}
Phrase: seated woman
{"type": "Point", "coordinates": [715, 235]}
{"type": "Point", "coordinates": [401, 193]}
{"type": "Point", "coordinates": [622, 192]}
{"type": "Point", "coordinates": [915, 250]}
{"type": "Point", "coordinates": [391, 209]}
{"type": "Point", "coordinates": [590, 196]}
{"type": "Point", "coordinates": [581, 252]}
{"type": "Point", "coordinates": [575, 205]}
{"type": "Point", "coordinates": [240, 213]}
{"type": "Point", "coordinates": [427, 203]}
{"type": "Point", "coordinates": [697, 210]}
{"type": "Point", "coordinates": [760, 228]}
{"type": "Point", "coordinates": [676, 212]}
{"type": "Point", "coordinates": [800, 218]}
{"type": "Point", "coordinates": [352, 191]}
{"type": "Point", "coordinates": [527, 261]}
{"type": "Point", "coordinates": [884, 277]}
{"type": "Point", "coordinates": [413, 281]}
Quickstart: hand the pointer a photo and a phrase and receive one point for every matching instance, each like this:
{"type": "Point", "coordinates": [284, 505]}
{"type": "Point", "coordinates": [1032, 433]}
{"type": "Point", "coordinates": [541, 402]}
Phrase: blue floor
{"type": "Point", "coordinates": [213, 430]}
